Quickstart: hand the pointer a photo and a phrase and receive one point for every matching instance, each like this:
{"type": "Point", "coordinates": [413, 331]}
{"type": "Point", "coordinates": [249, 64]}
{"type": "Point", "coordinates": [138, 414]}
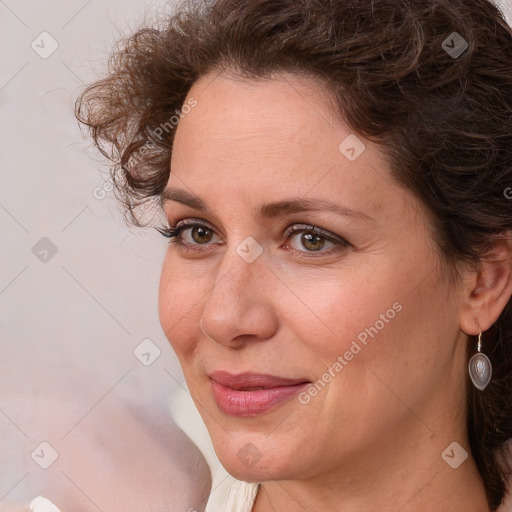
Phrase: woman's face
{"type": "Point", "coordinates": [350, 329]}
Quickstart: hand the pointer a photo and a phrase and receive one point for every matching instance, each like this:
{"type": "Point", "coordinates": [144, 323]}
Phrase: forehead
{"type": "Point", "coordinates": [266, 138]}
{"type": "Point", "coordinates": [284, 104]}
{"type": "Point", "coordinates": [286, 122]}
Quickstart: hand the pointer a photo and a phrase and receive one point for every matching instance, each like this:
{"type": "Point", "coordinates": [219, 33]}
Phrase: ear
{"type": "Point", "coordinates": [488, 288]}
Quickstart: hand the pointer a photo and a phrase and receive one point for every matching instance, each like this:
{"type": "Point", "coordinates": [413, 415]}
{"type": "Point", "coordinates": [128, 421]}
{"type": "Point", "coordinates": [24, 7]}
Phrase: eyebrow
{"type": "Point", "coordinates": [267, 210]}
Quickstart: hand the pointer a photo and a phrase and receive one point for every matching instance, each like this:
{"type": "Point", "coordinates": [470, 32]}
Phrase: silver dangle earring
{"type": "Point", "coordinates": [480, 368]}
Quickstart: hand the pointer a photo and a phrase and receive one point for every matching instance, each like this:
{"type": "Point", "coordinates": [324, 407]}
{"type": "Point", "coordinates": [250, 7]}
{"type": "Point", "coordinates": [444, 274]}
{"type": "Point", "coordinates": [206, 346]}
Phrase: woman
{"type": "Point", "coordinates": [336, 180]}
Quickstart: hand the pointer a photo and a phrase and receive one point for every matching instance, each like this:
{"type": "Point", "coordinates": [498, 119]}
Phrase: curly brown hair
{"type": "Point", "coordinates": [438, 103]}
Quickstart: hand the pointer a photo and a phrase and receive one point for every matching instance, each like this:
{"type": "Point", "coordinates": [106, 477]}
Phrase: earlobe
{"type": "Point", "coordinates": [488, 288]}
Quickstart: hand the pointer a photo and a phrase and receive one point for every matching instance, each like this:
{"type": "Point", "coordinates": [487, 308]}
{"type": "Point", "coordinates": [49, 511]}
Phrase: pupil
{"type": "Point", "coordinates": [201, 235]}
{"type": "Point", "coordinates": [312, 242]}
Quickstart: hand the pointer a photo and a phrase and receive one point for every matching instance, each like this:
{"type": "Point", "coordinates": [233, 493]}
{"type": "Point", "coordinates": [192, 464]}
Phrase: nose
{"type": "Point", "coordinates": [239, 308]}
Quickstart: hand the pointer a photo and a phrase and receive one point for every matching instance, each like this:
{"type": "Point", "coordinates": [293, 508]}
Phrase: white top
{"type": "Point", "coordinates": [41, 504]}
{"type": "Point", "coordinates": [241, 496]}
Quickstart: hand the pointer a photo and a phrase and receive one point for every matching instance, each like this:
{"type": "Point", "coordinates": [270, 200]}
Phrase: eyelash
{"type": "Point", "coordinates": [175, 236]}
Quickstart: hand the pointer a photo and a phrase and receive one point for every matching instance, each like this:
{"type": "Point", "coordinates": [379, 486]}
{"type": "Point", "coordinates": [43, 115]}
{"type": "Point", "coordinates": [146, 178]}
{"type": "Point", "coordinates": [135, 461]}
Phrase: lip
{"type": "Point", "coordinates": [235, 394]}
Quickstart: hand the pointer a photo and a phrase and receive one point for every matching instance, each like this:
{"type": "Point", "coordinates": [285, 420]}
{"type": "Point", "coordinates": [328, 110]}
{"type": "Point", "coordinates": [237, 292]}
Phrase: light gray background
{"type": "Point", "coordinates": [69, 325]}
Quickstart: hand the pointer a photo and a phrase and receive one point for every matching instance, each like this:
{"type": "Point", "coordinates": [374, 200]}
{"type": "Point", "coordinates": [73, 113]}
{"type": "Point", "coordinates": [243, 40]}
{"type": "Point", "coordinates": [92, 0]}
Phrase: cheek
{"type": "Point", "coordinates": [377, 322]}
{"type": "Point", "coordinates": [179, 299]}
{"type": "Point", "coordinates": [328, 313]}
{"type": "Point", "coordinates": [388, 340]}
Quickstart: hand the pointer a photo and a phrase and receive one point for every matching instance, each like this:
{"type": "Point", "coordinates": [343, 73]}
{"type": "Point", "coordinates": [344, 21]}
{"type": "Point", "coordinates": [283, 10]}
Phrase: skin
{"type": "Point", "coordinates": [372, 439]}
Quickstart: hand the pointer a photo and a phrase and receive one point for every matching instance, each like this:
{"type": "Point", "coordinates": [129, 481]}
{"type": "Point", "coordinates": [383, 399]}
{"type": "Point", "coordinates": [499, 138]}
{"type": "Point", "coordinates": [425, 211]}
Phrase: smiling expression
{"type": "Point", "coordinates": [284, 252]}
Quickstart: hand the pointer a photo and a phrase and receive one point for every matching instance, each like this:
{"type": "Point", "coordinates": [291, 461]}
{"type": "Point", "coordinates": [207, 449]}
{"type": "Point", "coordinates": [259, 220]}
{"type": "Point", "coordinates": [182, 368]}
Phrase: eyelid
{"type": "Point", "coordinates": [297, 228]}
{"type": "Point", "coordinates": [192, 221]}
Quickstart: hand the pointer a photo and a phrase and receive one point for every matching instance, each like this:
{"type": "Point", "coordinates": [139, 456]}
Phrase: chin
{"type": "Point", "coordinates": [245, 461]}
{"type": "Point", "coordinates": [251, 476]}
{"type": "Point", "coordinates": [257, 473]}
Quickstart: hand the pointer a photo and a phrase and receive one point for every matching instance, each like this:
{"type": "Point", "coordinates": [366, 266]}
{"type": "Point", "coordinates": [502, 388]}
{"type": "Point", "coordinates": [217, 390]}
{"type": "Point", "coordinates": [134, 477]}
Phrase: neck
{"type": "Point", "coordinates": [411, 478]}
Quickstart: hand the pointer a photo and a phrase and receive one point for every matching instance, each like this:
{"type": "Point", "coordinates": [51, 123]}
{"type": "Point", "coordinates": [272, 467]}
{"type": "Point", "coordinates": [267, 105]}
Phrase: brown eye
{"type": "Point", "coordinates": [309, 241]}
{"type": "Point", "coordinates": [312, 242]}
{"type": "Point", "coordinates": [200, 234]}
{"type": "Point", "coordinates": [194, 233]}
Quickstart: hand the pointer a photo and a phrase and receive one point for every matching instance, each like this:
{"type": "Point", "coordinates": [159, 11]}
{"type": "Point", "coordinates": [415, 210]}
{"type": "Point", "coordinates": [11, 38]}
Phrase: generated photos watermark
{"type": "Point", "coordinates": [355, 348]}
{"type": "Point", "coordinates": [169, 125]}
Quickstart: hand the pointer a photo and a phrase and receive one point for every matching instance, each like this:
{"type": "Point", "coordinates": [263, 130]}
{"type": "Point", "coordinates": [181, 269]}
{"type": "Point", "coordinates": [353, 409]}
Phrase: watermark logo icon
{"type": "Point", "coordinates": [44, 455]}
{"type": "Point", "coordinates": [147, 352]}
{"type": "Point", "coordinates": [454, 45]}
{"type": "Point", "coordinates": [454, 455]}
{"type": "Point", "coordinates": [249, 454]}
{"type": "Point", "coordinates": [44, 250]}
{"type": "Point", "coordinates": [249, 249]}
{"type": "Point", "coordinates": [44, 45]}
{"type": "Point", "coordinates": [351, 147]}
